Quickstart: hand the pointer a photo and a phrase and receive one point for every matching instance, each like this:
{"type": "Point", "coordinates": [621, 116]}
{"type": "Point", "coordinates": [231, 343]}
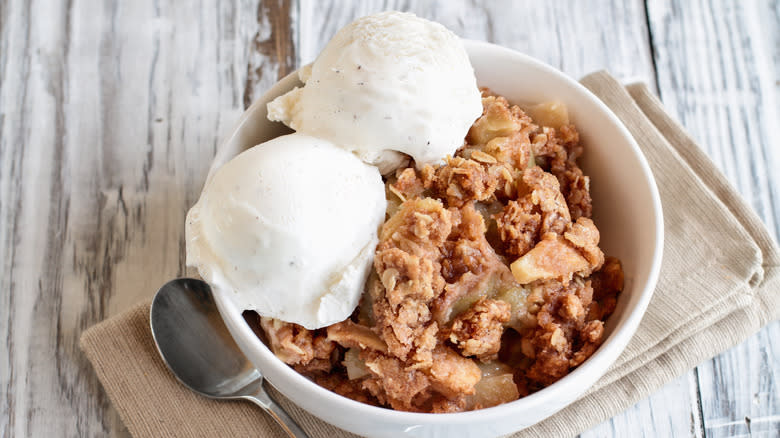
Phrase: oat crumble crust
{"type": "Point", "coordinates": [488, 281]}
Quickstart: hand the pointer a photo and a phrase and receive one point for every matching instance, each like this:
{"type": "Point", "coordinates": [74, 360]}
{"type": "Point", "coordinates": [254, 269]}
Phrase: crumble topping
{"type": "Point", "coordinates": [488, 281]}
{"type": "Point", "coordinates": [477, 331]}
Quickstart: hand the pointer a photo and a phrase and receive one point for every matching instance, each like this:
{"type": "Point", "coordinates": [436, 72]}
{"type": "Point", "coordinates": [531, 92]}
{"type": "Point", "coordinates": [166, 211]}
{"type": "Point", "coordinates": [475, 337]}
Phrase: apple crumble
{"type": "Point", "coordinates": [488, 281]}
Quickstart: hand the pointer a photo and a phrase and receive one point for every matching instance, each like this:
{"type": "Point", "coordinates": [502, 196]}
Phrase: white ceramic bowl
{"type": "Point", "coordinates": [627, 211]}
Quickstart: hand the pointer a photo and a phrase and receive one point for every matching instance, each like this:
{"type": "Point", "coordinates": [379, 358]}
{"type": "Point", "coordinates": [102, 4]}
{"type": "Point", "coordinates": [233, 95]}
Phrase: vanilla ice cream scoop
{"type": "Point", "coordinates": [387, 82]}
{"type": "Point", "coordinates": [288, 228]}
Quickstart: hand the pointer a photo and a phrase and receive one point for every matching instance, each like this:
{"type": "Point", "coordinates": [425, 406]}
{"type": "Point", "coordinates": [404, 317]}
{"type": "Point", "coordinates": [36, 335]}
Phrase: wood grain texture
{"type": "Point", "coordinates": [718, 72]}
{"type": "Point", "coordinates": [111, 111]}
{"type": "Point", "coordinates": [576, 37]}
{"type": "Point", "coordinates": [272, 50]}
{"type": "Point", "coordinates": [110, 114]}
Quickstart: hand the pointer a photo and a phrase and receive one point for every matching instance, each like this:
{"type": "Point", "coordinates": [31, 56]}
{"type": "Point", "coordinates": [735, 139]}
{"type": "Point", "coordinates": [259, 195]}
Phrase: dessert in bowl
{"type": "Point", "coordinates": [626, 210]}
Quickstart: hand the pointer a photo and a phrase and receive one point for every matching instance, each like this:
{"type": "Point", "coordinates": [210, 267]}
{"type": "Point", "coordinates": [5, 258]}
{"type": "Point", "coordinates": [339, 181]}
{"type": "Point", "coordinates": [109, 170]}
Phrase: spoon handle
{"type": "Point", "coordinates": [290, 427]}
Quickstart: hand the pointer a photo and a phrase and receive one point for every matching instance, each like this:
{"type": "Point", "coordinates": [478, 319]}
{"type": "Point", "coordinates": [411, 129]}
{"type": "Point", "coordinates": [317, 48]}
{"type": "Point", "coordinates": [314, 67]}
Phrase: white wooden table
{"type": "Point", "coordinates": [110, 112]}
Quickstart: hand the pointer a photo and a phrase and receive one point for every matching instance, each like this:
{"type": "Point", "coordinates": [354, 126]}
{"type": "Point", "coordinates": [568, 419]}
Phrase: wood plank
{"type": "Point", "coordinates": [669, 412]}
{"type": "Point", "coordinates": [110, 113]}
{"type": "Point", "coordinates": [769, 15]}
{"type": "Point", "coordinates": [718, 69]}
{"type": "Point", "coordinates": [577, 38]}
{"type": "Point", "coordinates": [717, 79]}
{"type": "Point", "coordinates": [272, 50]}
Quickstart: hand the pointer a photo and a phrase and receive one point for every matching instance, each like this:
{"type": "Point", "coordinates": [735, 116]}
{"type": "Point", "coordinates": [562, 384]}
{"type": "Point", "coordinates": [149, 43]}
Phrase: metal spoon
{"type": "Point", "coordinates": [197, 347]}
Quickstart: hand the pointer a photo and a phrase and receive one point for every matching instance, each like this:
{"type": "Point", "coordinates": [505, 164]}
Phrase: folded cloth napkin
{"type": "Point", "coordinates": [719, 283]}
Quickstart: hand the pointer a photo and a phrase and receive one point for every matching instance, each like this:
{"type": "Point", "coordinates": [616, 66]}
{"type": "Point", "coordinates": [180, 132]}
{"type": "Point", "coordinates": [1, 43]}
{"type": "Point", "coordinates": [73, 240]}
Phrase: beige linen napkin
{"type": "Point", "coordinates": [719, 283]}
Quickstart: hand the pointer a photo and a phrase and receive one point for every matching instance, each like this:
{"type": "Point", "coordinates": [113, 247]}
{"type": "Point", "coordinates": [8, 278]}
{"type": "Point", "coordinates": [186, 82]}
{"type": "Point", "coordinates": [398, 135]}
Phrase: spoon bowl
{"type": "Point", "coordinates": [197, 347]}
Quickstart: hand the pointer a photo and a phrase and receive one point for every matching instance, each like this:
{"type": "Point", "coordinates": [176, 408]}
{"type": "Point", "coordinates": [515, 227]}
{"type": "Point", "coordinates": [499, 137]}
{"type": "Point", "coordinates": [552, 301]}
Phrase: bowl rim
{"type": "Point", "coordinates": [597, 364]}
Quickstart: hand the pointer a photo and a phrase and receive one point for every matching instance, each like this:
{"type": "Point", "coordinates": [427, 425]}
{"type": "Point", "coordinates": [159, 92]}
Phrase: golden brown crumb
{"type": "Point", "coordinates": [392, 383]}
{"type": "Point", "coordinates": [498, 120]}
{"type": "Point", "coordinates": [556, 257]}
{"type": "Point", "coordinates": [607, 284]}
{"type": "Point", "coordinates": [463, 180]}
{"type": "Point", "coordinates": [452, 374]}
{"type": "Point", "coordinates": [407, 264]}
{"type": "Point", "coordinates": [565, 335]}
{"type": "Point", "coordinates": [477, 331]}
{"type": "Point", "coordinates": [575, 187]}
{"type": "Point", "coordinates": [470, 266]}
{"type": "Point", "coordinates": [408, 185]}
{"type": "Point", "coordinates": [518, 226]}
{"type": "Point", "coordinates": [584, 235]}
{"type": "Point", "coordinates": [544, 192]}
{"type": "Point", "coordinates": [295, 345]}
